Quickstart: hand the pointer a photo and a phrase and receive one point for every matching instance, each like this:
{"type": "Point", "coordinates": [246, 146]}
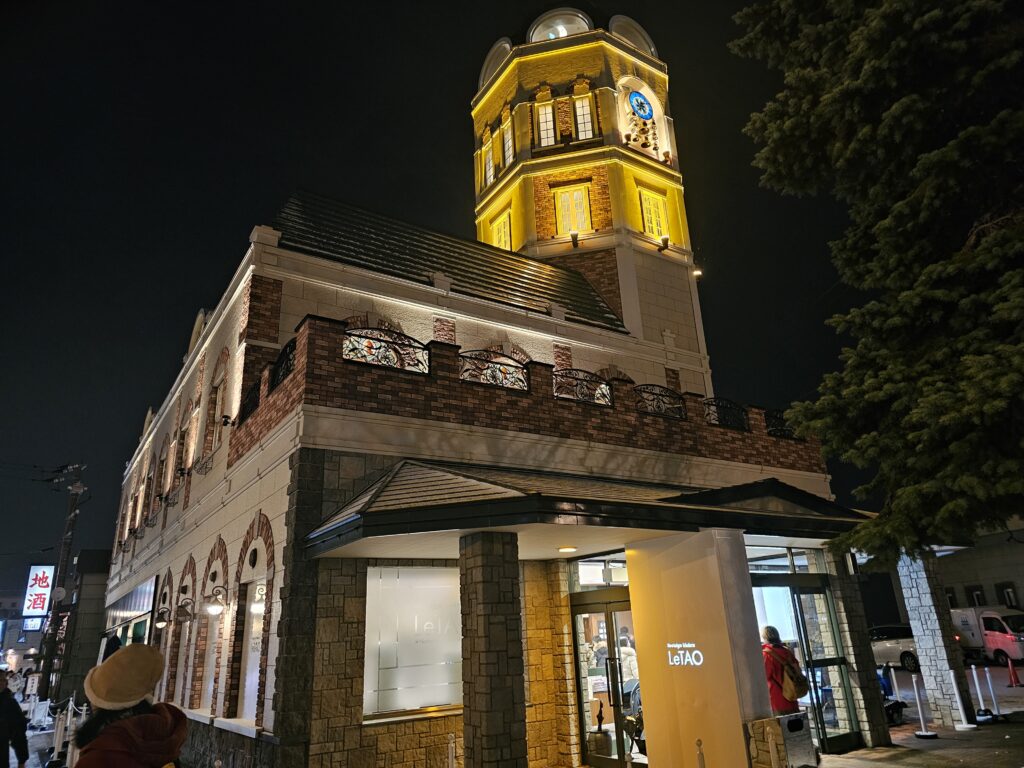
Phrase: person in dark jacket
{"type": "Point", "coordinates": [12, 727]}
{"type": "Point", "coordinates": [127, 729]}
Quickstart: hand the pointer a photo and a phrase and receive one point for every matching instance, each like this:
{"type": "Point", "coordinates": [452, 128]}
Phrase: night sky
{"type": "Point", "coordinates": [141, 142]}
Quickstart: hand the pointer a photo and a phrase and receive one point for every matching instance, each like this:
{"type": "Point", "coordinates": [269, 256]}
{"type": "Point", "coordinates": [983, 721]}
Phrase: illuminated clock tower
{"type": "Point", "coordinates": [576, 163]}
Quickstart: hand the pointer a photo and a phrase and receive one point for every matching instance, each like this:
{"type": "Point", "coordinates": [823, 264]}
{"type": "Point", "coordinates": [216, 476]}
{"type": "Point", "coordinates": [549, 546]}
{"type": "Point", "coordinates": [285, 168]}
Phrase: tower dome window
{"type": "Point", "coordinates": [626, 29]}
{"type": "Point", "coordinates": [561, 22]}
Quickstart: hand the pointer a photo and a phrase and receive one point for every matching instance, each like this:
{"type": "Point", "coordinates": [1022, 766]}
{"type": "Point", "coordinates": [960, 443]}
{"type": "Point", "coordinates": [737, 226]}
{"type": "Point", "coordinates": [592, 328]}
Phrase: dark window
{"type": "Point", "coordinates": [879, 633]}
{"type": "Point", "coordinates": [975, 594]}
{"type": "Point", "coordinates": [1006, 594]}
{"type": "Point", "coordinates": [951, 597]}
{"type": "Point", "coordinates": [902, 633]}
{"type": "Point", "coordinates": [993, 624]}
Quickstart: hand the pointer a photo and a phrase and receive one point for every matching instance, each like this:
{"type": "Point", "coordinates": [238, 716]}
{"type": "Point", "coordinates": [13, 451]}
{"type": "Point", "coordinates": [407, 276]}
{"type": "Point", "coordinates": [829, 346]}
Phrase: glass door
{"type": "Point", "coordinates": [608, 679]}
{"type": "Point", "coordinates": [801, 608]}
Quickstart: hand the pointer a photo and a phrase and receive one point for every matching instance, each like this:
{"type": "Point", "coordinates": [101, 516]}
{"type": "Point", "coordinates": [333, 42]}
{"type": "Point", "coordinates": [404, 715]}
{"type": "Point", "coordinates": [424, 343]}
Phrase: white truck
{"type": "Point", "coordinates": [991, 631]}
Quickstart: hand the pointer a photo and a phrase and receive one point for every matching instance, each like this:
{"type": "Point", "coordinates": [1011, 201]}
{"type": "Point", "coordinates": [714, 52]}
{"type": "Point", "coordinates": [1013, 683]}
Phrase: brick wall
{"type": "Point", "coordinates": [442, 396]}
{"type": "Point", "coordinates": [601, 270]}
{"type": "Point", "coordinates": [600, 199]}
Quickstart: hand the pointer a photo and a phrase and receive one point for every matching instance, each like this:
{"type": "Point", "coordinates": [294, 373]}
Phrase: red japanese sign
{"type": "Point", "coordinates": [37, 595]}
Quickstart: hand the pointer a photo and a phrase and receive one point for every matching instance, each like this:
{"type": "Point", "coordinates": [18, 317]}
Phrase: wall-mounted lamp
{"type": "Point", "coordinates": [227, 421]}
{"type": "Point", "coordinates": [216, 603]}
{"type": "Point", "coordinates": [181, 472]}
{"type": "Point", "coordinates": [259, 600]}
{"type": "Point", "coordinates": [697, 271]}
{"type": "Point", "coordinates": [184, 612]}
{"type": "Point", "coordinates": [162, 617]}
{"type": "Point", "coordinates": [575, 237]}
{"type": "Point", "coordinates": [664, 243]}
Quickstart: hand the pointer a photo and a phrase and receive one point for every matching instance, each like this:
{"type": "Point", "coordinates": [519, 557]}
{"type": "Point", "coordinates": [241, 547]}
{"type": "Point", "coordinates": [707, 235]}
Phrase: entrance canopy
{"type": "Point", "coordinates": [420, 509]}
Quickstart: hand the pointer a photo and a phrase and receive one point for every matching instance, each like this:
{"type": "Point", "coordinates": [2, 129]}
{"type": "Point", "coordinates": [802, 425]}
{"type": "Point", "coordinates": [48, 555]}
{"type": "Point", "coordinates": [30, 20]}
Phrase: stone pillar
{"type": "Point", "coordinates": [493, 709]}
{"type": "Point", "coordinates": [856, 641]}
{"type": "Point", "coordinates": [937, 648]}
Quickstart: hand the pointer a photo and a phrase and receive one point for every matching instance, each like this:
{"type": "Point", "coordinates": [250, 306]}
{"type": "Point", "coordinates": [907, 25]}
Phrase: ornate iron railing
{"type": "Point", "coordinates": [380, 346]}
{"type": "Point", "coordinates": [652, 398]}
{"type": "Point", "coordinates": [283, 366]}
{"type": "Point", "coordinates": [583, 386]}
{"type": "Point", "coordinates": [204, 465]}
{"type": "Point", "coordinates": [250, 402]}
{"type": "Point", "coordinates": [775, 423]}
{"type": "Point", "coordinates": [171, 499]}
{"type": "Point", "coordinates": [486, 367]}
{"type": "Point", "coordinates": [726, 413]}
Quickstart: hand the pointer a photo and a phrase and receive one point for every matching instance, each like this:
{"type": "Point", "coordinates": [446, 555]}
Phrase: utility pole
{"type": "Point", "coordinates": [75, 491]}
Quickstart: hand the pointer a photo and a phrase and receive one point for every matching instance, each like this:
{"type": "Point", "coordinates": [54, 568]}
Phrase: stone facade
{"type": "Point", "coordinates": [938, 651]}
{"type": "Point", "coordinates": [494, 708]}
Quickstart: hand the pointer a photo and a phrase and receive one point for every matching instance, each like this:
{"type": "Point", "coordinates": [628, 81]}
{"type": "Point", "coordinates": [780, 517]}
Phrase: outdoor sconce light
{"type": "Point", "coordinates": [215, 605]}
{"type": "Point", "coordinates": [161, 618]}
{"type": "Point", "coordinates": [227, 421]}
{"type": "Point", "coordinates": [181, 472]}
{"type": "Point", "coordinates": [664, 243]}
{"type": "Point", "coordinates": [697, 271]}
{"type": "Point", "coordinates": [575, 236]}
{"type": "Point", "coordinates": [259, 601]}
{"type": "Point", "coordinates": [184, 609]}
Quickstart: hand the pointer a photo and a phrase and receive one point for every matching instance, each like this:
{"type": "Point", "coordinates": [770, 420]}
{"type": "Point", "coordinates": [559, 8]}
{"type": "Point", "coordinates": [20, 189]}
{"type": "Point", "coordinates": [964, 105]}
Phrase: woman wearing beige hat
{"type": "Point", "coordinates": [127, 729]}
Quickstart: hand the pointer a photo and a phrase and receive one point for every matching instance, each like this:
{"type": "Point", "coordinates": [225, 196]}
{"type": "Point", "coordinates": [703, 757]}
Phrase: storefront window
{"type": "Point", "coordinates": [251, 649]}
{"type": "Point", "coordinates": [413, 654]}
{"type": "Point", "coordinates": [772, 559]}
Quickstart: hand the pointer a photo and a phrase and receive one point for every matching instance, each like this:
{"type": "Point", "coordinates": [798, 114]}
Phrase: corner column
{"type": "Point", "coordinates": [937, 648]}
{"type": "Point", "coordinates": [494, 709]}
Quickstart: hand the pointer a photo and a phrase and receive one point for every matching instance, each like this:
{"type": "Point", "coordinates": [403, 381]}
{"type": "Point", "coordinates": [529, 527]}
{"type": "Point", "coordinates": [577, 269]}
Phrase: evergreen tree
{"type": "Point", "coordinates": [911, 114]}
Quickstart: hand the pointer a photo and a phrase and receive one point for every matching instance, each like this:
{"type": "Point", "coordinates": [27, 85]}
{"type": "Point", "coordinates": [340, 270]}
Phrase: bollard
{"type": "Point", "coordinates": [991, 692]}
{"type": "Point", "coordinates": [984, 714]}
{"type": "Point", "coordinates": [964, 726]}
{"type": "Point", "coordinates": [924, 733]}
{"type": "Point", "coordinates": [895, 685]}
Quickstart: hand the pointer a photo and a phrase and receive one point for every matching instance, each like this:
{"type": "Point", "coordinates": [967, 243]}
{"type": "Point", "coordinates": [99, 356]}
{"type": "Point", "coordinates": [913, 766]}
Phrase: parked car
{"type": "Point", "coordinates": [894, 644]}
{"type": "Point", "coordinates": [991, 631]}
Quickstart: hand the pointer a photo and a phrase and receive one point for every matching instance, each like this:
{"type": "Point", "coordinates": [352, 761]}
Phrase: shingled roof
{"type": "Point", "coordinates": [323, 227]}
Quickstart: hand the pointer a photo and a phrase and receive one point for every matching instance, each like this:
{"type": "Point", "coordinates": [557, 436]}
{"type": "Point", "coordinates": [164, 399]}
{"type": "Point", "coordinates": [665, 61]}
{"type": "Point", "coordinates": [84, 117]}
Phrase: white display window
{"type": "Point", "coordinates": [413, 654]}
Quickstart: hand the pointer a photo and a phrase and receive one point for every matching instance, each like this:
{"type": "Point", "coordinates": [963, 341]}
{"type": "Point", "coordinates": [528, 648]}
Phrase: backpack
{"type": "Point", "coordinates": [794, 682]}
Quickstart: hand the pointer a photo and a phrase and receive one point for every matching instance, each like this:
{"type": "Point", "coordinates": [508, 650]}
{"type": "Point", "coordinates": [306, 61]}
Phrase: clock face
{"type": "Point", "coordinates": [641, 106]}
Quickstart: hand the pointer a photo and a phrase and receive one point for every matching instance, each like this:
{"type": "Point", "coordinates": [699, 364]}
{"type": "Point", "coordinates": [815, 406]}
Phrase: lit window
{"type": "Point", "coordinates": [488, 164]}
{"type": "Point", "coordinates": [572, 208]}
{"type": "Point", "coordinates": [655, 216]}
{"type": "Point", "coordinates": [584, 121]}
{"type": "Point", "coordinates": [506, 140]}
{"type": "Point", "coordinates": [501, 232]}
{"type": "Point", "coordinates": [413, 639]}
{"type": "Point", "coordinates": [546, 122]}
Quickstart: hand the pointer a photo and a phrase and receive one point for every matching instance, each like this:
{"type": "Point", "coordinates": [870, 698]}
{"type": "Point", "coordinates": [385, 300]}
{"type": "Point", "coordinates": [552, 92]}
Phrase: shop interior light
{"type": "Point", "coordinates": [567, 550]}
{"type": "Point", "coordinates": [215, 604]}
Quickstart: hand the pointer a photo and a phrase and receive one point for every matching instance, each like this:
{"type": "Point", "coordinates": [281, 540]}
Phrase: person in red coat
{"type": "Point", "coordinates": [776, 657]}
{"type": "Point", "coordinates": [127, 730]}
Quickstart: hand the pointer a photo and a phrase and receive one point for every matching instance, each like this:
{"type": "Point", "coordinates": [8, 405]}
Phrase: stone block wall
{"type": "Point", "coordinates": [494, 714]}
{"type": "Point", "coordinates": [552, 725]}
{"type": "Point", "coordinates": [866, 706]}
{"type": "Point", "coordinates": [937, 648]}
{"type": "Point", "coordinates": [338, 737]}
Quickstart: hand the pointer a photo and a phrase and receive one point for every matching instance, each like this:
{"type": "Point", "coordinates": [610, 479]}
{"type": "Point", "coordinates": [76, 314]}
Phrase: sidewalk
{"type": "Point", "coordinates": [997, 745]}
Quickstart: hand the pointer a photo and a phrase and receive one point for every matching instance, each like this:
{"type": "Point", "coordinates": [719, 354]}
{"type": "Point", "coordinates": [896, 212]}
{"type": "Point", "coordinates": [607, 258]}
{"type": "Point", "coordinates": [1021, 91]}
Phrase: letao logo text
{"type": "Point", "coordinates": [684, 655]}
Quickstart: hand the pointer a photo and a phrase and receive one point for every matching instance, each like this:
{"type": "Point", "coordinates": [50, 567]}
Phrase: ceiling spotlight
{"type": "Point", "coordinates": [567, 550]}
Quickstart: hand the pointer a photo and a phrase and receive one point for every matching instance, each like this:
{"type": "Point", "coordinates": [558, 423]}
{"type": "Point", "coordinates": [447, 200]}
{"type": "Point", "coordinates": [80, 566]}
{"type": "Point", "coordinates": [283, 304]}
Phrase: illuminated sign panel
{"type": "Point", "coordinates": [37, 594]}
{"type": "Point", "coordinates": [684, 655]}
{"type": "Point", "coordinates": [32, 625]}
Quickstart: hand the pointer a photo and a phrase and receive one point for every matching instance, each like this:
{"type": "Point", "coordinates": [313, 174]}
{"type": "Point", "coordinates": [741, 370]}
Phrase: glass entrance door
{"type": "Point", "coordinates": [608, 679]}
{"type": "Point", "coordinates": [800, 607]}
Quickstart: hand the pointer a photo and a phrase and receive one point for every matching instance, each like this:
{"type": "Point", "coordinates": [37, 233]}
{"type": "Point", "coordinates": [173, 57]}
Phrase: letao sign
{"type": "Point", "coordinates": [684, 655]}
{"type": "Point", "coordinates": [37, 594]}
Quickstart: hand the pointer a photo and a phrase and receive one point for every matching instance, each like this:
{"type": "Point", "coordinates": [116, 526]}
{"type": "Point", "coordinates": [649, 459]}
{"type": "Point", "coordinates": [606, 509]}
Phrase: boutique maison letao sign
{"type": "Point", "coordinates": [684, 655]}
{"type": "Point", "coordinates": [37, 594]}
